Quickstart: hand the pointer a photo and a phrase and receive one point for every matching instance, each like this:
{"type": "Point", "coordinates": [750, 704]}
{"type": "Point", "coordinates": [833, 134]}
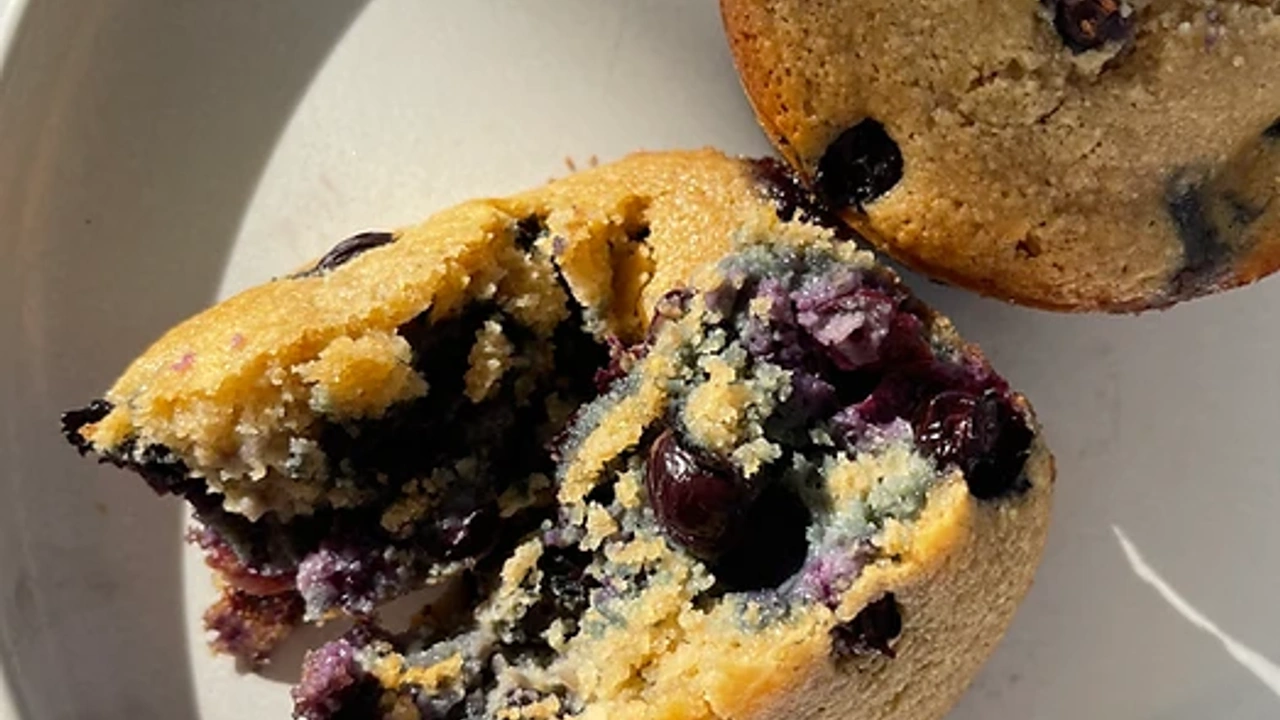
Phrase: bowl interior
{"type": "Point", "coordinates": [159, 154]}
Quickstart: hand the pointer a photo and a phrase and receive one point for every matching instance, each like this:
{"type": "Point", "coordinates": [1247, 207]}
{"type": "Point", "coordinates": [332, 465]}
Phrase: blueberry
{"type": "Point", "coordinates": [982, 434]}
{"type": "Point", "coordinates": [862, 164]}
{"type": "Point", "coordinates": [771, 545]}
{"type": "Point", "coordinates": [74, 420]}
{"type": "Point", "coordinates": [348, 250]}
{"type": "Point", "coordinates": [1090, 24]}
{"type": "Point", "coordinates": [870, 631]}
{"type": "Point", "coordinates": [528, 231]}
{"type": "Point", "coordinates": [698, 500]}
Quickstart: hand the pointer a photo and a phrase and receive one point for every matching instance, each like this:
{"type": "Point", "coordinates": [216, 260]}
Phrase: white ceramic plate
{"type": "Point", "coordinates": [156, 155]}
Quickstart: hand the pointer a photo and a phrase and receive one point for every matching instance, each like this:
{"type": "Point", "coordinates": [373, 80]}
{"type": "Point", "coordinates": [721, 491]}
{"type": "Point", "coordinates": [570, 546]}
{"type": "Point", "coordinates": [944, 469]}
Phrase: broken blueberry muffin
{"type": "Point", "coordinates": [800, 479]}
{"type": "Point", "coordinates": [361, 427]}
{"type": "Point", "coordinates": [668, 446]}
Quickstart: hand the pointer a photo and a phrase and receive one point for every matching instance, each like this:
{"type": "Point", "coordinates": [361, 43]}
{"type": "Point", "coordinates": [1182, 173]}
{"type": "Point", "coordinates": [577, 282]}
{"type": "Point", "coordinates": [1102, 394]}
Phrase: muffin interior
{"type": "Point", "coordinates": [771, 437]}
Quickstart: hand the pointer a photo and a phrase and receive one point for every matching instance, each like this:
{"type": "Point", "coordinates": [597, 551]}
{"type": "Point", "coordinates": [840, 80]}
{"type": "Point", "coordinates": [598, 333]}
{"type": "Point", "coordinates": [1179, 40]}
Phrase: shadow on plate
{"type": "Point", "coordinates": [135, 132]}
{"type": "Point", "coordinates": [1164, 430]}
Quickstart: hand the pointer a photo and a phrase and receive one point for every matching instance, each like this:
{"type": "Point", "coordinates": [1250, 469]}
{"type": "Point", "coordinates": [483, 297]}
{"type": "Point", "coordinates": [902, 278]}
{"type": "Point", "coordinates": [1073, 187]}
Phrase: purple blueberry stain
{"type": "Point", "coordinates": [354, 579]}
{"type": "Point", "coordinates": [828, 575]}
{"type": "Point", "coordinates": [850, 327]}
{"type": "Point", "coordinates": [565, 593]}
{"type": "Point", "coordinates": [469, 533]}
{"type": "Point", "coordinates": [334, 685]}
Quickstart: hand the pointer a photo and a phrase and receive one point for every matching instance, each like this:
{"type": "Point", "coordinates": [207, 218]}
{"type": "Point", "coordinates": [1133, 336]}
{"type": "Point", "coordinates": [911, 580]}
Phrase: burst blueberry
{"type": "Point", "coordinates": [983, 435]}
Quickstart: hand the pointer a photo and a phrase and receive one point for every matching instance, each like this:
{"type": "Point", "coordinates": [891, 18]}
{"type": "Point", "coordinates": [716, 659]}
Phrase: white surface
{"type": "Point", "coordinates": [155, 154]}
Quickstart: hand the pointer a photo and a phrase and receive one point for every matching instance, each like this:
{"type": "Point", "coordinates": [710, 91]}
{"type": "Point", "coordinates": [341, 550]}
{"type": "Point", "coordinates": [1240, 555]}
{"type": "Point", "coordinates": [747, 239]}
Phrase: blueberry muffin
{"type": "Point", "coordinates": [1067, 154]}
{"type": "Point", "coordinates": [665, 442]}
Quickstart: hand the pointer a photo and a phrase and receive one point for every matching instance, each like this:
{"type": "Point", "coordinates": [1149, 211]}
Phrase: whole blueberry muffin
{"type": "Point", "coordinates": [1068, 154]}
{"type": "Point", "coordinates": [665, 442]}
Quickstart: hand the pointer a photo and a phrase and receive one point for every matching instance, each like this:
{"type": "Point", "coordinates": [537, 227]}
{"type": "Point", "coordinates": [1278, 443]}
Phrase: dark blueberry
{"type": "Point", "coordinates": [1090, 24]}
{"type": "Point", "coordinates": [74, 420]}
{"type": "Point", "coordinates": [603, 494]}
{"type": "Point", "coordinates": [1273, 130]}
{"type": "Point", "coordinates": [870, 631]}
{"type": "Point", "coordinates": [393, 444]}
{"type": "Point", "coordinates": [698, 500]}
{"type": "Point", "coordinates": [771, 546]}
{"type": "Point", "coordinates": [1203, 249]}
{"type": "Point", "coordinates": [565, 581]}
{"type": "Point", "coordinates": [528, 231]}
{"type": "Point", "coordinates": [896, 396]}
{"type": "Point", "coordinates": [861, 165]}
{"type": "Point", "coordinates": [906, 342]}
{"type": "Point", "coordinates": [348, 250]}
{"type": "Point", "coordinates": [983, 435]}
{"type": "Point", "coordinates": [578, 354]}
{"type": "Point", "coordinates": [523, 696]}
{"type": "Point", "coordinates": [725, 299]}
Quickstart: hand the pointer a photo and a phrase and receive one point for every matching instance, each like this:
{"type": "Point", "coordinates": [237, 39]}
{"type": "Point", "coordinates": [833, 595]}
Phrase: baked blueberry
{"type": "Point", "coordinates": [860, 165]}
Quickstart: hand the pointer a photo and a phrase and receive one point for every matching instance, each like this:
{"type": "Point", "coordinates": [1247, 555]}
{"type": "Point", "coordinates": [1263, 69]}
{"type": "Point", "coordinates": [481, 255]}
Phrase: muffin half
{"type": "Point", "coordinates": [675, 449]}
